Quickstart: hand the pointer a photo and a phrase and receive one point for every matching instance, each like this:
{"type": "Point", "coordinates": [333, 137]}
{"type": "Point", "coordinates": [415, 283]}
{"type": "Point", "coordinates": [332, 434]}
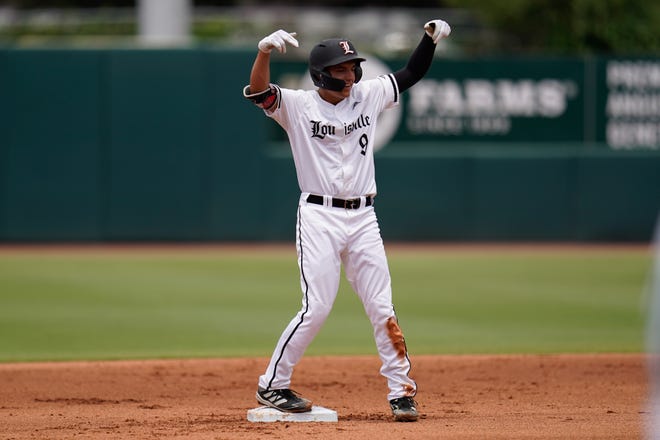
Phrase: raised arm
{"type": "Point", "coordinates": [259, 90]}
{"type": "Point", "coordinates": [422, 56]}
{"type": "Point", "coordinates": [260, 74]}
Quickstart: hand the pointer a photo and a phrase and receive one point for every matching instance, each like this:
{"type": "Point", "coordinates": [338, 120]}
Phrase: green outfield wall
{"type": "Point", "coordinates": [123, 145]}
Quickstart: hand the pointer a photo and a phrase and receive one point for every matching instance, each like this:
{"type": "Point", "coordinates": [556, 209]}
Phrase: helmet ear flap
{"type": "Point", "coordinates": [316, 77]}
{"type": "Point", "coordinates": [323, 80]}
{"type": "Point", "coordinates": [358, 72]}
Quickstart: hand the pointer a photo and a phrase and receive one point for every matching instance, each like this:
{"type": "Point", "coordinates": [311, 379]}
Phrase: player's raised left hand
{"type": "Point", "coordinates": [437, 30]}
{"type": "Point", "coordinates": [278, 40]}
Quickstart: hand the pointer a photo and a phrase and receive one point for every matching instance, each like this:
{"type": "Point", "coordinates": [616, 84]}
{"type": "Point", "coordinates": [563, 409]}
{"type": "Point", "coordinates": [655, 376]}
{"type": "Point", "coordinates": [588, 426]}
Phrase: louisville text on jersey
{"type": "Point", "coordinates": [321, 130]}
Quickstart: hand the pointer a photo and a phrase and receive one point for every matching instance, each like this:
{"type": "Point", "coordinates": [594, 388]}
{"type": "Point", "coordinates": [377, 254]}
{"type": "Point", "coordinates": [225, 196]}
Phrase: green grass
{"type": "Point", "coordinates": [138, 303]}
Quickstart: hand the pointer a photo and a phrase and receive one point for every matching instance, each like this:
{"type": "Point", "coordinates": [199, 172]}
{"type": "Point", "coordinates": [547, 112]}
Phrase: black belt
{"type": "Point", "coordinates": [340, 203]}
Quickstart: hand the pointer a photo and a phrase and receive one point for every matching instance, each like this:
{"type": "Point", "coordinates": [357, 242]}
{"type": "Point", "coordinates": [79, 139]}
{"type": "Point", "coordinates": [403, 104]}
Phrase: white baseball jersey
{"type": "Point", "coordinates": [332, 145]}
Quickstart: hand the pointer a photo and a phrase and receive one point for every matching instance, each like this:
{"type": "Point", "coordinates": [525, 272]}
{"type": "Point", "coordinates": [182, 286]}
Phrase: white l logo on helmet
{"type": "Point", "coordinates": [347, 48]}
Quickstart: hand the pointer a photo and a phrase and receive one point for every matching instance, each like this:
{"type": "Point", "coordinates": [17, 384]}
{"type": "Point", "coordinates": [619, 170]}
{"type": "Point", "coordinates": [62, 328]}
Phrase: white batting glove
{"type": "Point", "coordinates": [437, 29]}
{"type": "Point", "coordinates": [278, 40]}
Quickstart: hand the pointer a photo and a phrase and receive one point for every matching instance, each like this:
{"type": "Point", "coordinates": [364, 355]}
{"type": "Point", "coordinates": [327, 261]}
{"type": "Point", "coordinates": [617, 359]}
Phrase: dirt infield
{"type": "Point", "coordinates": [460, 397]}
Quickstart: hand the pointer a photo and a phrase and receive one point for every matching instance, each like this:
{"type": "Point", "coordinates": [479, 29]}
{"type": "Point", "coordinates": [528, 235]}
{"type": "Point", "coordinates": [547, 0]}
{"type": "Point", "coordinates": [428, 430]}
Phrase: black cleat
{"type": "Point", "coordinates": [404, 409]}
{"type": "Point", "coordinates": [285, 400]}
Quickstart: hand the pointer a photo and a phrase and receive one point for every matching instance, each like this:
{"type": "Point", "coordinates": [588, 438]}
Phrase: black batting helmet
{"type": "Point", "coordinates": [330, 53]}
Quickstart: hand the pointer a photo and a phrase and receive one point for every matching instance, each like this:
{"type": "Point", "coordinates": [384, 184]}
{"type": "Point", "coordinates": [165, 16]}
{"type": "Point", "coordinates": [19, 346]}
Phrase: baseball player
{"type": "Point", "coordinates": [331, 131]}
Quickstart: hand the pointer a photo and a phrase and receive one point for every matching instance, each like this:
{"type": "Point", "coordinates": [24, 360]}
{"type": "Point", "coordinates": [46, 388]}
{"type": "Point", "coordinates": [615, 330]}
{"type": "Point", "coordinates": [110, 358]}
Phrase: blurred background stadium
{"type": "Point", "coordinates": [481, 28]}
{"type": "Point", "coordinates": [124, 120]}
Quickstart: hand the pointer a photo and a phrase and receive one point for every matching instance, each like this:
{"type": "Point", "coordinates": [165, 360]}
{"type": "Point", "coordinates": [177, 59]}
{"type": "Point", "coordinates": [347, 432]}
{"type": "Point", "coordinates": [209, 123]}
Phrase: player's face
{"type": "Point", "coordinates": [346, 72]}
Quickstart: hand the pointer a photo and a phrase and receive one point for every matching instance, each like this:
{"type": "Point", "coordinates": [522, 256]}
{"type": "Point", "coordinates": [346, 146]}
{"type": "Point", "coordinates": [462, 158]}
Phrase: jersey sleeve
{"type": "Point", "coordinates": [382, 91]}
{"type": "Point", "coordinates": [284, 108]}
{"type": "Point", "coordinates": [391, 90]}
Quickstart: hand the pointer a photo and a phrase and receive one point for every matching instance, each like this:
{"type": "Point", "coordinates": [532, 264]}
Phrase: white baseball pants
{"type": "Point", "coordinates": [326, 238]}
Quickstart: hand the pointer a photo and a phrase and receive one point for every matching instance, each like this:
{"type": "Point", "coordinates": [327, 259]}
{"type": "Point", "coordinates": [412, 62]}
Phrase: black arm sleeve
{"type": "Point", "coordinates": [417, 66]}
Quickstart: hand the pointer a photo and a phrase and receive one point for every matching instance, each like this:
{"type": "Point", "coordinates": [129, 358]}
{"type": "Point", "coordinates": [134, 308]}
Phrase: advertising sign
{"type": "Point", "coordinates": [608, 103]}
{"type": "Point", "coordinates": [498, 100]}
{"type": "Point", "coordinates": [630, 103]}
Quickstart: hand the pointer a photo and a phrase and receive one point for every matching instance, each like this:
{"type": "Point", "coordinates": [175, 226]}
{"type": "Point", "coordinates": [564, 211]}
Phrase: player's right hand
{"type": "Point", "coordinates": [278, 40]}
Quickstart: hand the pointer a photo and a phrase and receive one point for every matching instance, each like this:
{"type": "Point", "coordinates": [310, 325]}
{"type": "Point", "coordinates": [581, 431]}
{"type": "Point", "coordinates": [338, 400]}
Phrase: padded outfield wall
{"type": "Point", "coordinates": [117, 145]}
